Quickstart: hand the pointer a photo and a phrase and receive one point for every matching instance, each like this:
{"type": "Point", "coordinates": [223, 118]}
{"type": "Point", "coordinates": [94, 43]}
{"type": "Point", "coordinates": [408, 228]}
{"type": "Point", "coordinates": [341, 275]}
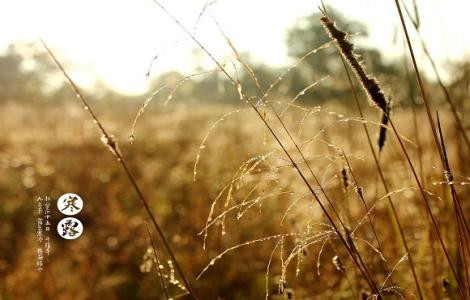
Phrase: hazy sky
{"type": "Point", "coordinates": [116, 39]}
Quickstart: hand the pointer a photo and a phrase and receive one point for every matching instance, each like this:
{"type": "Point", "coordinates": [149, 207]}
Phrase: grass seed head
{"type": "Point", "coordinates": [384, 123]}
{"type": "Point", "coordinates": [369, 84]}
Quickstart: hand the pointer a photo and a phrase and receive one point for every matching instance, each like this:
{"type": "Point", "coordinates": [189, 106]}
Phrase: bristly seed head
{"type": "Point", "coordinates": [346, 48]}
{"type": "Point", "coordinates": [344, 177]}
{"type": "Point", "coordinates": [384, 123]}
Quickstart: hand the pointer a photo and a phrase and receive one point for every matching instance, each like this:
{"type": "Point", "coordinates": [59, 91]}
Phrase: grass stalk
{"type": "Point", "coordinates": [393, 212]}
{"type": "Point", "coordinates": [113, 147]}
{"type": "Point", "coordinates": [359, 264]}
{"type": "Point", "coordinates": [462, 230]}
{"type": "Point", "coordinates": [435, 138]}
{"type": "Point", "coordinates": [441, 84]}
{"type": "Point", "coordinates": [157, 261]}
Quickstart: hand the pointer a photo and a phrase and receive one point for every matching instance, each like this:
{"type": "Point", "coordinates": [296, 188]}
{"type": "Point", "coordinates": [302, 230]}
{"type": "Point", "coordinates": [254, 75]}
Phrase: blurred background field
{"type": "Point", "coordinates": [50, 146]}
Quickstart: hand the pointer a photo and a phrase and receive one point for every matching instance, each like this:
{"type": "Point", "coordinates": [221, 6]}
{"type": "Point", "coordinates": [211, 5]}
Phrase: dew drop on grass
{"type": "Point", "coordinates": [104, 140]}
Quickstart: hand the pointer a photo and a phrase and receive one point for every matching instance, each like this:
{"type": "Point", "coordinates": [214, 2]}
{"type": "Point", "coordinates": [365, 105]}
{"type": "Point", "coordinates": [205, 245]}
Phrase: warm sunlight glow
{"type": "Point", "coordinates": [116, 40]}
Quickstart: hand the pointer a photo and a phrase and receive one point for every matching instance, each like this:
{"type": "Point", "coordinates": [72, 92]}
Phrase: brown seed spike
{"type": "Point", "coordinates": [344, 177]}
{"type": "Point", "coordinates": [384, 123]}
{"type": "Point", "coordinates": [368, 83]}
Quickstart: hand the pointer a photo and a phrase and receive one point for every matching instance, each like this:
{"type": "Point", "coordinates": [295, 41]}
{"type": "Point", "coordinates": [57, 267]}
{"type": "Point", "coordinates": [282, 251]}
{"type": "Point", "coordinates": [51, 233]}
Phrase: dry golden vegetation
{"type": "Point", "coordinates": [268, 197]}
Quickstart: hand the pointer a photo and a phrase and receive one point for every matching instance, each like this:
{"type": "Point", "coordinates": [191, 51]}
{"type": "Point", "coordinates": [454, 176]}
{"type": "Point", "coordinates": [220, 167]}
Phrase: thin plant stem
{"type": "Point", "coordinates": [428, 208]}
{"type": "Point", "coordinates": [365, 273]}
{"type": "Point", "coordinates": [385, 185]}
{"type": "Point", "coordinates": [112, 145]}
{"type": "Point", "coordinates": [460, 217]}
{"type": "Point", "coordinates": [293, 141]}
{"type": "Point", "coordinates": [441, 84]}
{"type": "Point", "coordinates": [157, 261]}
{"type": "Point", "coordinates": [436, 141]}
{"type": "Point", "coordinates": [420, 83]}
